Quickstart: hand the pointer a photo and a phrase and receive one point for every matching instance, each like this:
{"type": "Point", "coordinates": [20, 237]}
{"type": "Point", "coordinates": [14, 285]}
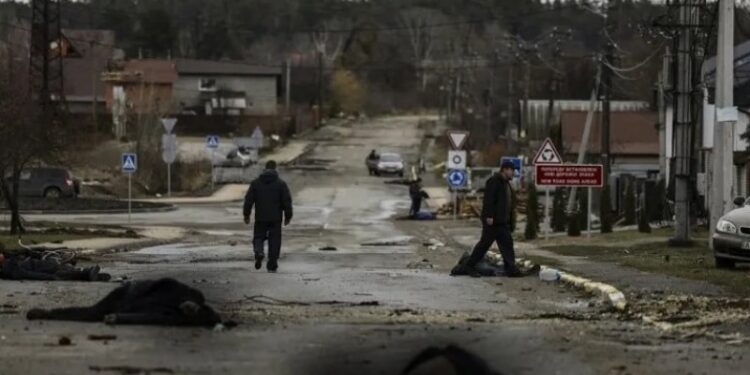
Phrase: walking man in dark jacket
{"type": "Point", "coordinates": [273, 204]}
{"type": "Point", "coordinates": [498, 222]}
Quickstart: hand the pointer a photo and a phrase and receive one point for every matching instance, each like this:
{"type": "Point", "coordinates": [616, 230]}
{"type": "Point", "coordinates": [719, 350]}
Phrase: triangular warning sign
{"type": "Point", "coordinates": [129, 163]}
{"type": "Point", "coordinates": [458, 138]}
{"type": "Point", "coordinates": [548, 154]}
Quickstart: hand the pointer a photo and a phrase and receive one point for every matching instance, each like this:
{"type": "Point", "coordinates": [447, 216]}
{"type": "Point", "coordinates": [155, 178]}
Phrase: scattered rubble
{"type": "Point", "coordinates": [328, 248]}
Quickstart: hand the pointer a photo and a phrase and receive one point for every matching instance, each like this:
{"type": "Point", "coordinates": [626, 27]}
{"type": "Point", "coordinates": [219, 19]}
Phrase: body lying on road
{"type": "Point", "coordinates": [150, 302]}
{"type": "Point", "coordinates": [19, 267]}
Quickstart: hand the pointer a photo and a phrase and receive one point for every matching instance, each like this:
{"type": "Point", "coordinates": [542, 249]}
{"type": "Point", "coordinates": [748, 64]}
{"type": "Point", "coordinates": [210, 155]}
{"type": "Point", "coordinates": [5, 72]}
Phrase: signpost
{"type": "Point", "coordinates": [212, 143]}
{"type": "Point", "coordinates": [456, 165]}
{"type": "Point", "coordinates": [169, 149]}
{"type": "Point", "coordinates": [572, 175]}
{"type": "Point", "coordinates": [547, 155]}
{"type": "Point", "coordinates": [130, 166]}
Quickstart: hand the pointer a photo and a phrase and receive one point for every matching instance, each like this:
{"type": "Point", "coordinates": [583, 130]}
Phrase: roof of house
{"type": "Point", "coordinates": [236, 68]}
{"type": "Point", "coordinates": [631, 133]}
{"type": "Point", "coordinates": [153, 71]}
{"type": "Point", "coordinates": [82, 73]}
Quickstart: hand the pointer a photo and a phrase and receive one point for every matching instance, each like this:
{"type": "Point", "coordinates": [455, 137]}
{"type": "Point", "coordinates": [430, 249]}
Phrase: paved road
{"type": "Point", "coordinates": [520, 326]}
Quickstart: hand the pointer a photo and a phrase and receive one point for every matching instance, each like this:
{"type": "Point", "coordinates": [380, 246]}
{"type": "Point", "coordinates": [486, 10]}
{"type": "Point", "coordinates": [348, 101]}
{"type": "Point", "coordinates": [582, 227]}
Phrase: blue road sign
{"type": "Point", "coordinates": [457, 178]}
{"type": "Point", "coordinates": [212, 141]}
{"type": "Point", "coordinates": [517, 165]}
{"type": "Point", "coordinates": [129, 163]}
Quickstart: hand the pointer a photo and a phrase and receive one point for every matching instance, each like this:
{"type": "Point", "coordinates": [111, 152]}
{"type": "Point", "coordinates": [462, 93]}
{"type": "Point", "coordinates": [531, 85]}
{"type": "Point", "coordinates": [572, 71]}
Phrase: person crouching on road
{"type": "Point", "coordinates": [498, 222]}
{"type": "Point", "coordinates": [272, 200]}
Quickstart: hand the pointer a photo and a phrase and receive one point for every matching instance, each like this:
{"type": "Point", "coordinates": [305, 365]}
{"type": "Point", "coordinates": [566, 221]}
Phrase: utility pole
{"type": "Point", "coordinates": [526, 89]}
{"type": "Point", "coordinates": [688, 17]}
{"type": "Point", "coordinates": [288, 87]}
{"type": "Point", "coordinates": [509, 122]}
{"type": "Point", "coordinates": [491, 100]}
{"type": "Point", "coordinates": [553, 91]}
{"type": "Point", "coordinates": [607, 115]}
{"type": "Point", "coordinates": [661, 100]}
{"type": "Point", "coordinates": [723, 150]}
{"type": "Point", "coordinates": [320, 89]}
{"type": "Point", "coordinates": [94, 87]}
{"type": "Point", "coordinates": [45, 65]}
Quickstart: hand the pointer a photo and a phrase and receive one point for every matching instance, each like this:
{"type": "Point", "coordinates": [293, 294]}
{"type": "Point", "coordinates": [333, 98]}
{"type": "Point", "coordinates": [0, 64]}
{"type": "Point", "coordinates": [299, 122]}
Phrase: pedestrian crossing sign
{"type": "Point", "coordinates": [129, 163]}
{"type": "Point", "coordinates": [212, 141]}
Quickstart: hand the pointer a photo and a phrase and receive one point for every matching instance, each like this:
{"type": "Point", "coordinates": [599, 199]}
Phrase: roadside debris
{"type": "Point", "coordinates": [266, 300]}
{"type": "Point", "coordinates": [102, 337]}
{"type": "Point", "coordinates": [549, 274]}
{"type": "Point", "coordinates": [64, 341]}
{"type": "Point", "coordinates": [433, 244]}
{"type": "Point", "coordinates": [328, 248]}
{"type": "Point", "coordinates": [152, 302]}
{"type": "Point", "coordinates": [386, 243]}
{"type": "Point", "coordinates": [423, 265]}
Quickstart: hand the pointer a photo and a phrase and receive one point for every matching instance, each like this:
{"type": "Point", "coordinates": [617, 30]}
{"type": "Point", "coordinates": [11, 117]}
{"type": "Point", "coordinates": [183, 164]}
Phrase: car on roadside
{"type": "Point", "coordinates": [388, 163]}
{"type": "Point", "coordinates": [731, 239]}
{"type": "Point", "coordinates": [47, 182]}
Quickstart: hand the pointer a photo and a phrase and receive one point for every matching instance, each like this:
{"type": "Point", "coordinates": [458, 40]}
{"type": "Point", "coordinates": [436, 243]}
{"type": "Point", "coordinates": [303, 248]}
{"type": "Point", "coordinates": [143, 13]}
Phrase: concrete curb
{"type": "Point", "coordinates": [612, 295]}
{"type": "Point", "coordinates": [169, 208]}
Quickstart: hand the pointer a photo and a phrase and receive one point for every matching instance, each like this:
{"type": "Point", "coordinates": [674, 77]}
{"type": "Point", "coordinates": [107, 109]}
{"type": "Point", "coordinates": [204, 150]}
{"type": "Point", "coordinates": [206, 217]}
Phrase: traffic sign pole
{"type": "Point", "coordinates": [169, 179]}
{"type": "Point", "coordinates": [588, 216]}
{"type": "Point", "coordinates": [130, 196]}
{"type": "Point", "coordinates": [547, 220]}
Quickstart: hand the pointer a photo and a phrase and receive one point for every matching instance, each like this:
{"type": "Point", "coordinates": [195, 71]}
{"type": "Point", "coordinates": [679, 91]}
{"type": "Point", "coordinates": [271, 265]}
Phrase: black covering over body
{"type": "Point", "coordinates": [157, 302]}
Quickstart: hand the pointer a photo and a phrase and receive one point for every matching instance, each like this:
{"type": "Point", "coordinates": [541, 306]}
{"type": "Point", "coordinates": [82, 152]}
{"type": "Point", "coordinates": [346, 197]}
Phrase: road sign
{"type": "Point", "coordinates": [456, 160]}
{"type": "Point", "coordinates": [517, 165]}
{"type": "Point", "coordinates": [458, 138]}
{"type": "Point", "coordinates": [129, 163]}
{"type": "Point", "coordinates": [572, 175]}
{"type": "Point", "coordinates": [457, 178]}
{"type": "Point", "coordinates": [547, 154]}
{"type": "Point", "coordinates": [168, 124]}
{"type": "Point", "coordinates": [212, 141]}
{"type": "Point", "coordinates": [169, 148]}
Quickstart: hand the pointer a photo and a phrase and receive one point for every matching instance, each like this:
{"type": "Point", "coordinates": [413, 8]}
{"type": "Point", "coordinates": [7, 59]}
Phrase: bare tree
{"type": "Point", "coordinates": [422, 25]}
{"type": "Point", "coordinates": [329, 39]}
{"type": "Point", "coordinates": [27, 134]}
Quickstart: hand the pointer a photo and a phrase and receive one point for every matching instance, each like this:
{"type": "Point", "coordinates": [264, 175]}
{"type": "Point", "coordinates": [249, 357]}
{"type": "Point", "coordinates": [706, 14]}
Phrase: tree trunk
{"type": "Point", "coordinates": [11, 198]}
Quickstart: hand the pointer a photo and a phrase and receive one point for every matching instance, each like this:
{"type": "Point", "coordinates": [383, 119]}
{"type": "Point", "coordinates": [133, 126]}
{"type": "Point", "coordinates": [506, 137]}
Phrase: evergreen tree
{"type": "Point", "coordinates": [630, 203]}
{"type": "Point", "coordinates": [532, 213]}
{"type": "Point", "coordinates": [657, 213]}
{"type": "Point", "coordinates": [643, 218]}
{"type": "Point", "coordinates": [605, 213]}
{"type": "Point", "coordinates": [559, 220]}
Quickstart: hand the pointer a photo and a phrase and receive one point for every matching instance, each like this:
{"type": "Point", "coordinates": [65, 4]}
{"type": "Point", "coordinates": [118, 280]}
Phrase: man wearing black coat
{"type": "Point", "coordinates": [272, 200]}
{"type": "Point", "coordinates": [498, 222]}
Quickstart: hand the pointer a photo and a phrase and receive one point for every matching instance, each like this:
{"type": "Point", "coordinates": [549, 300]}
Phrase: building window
{"type": "Point", "coordinates": [207, 84]}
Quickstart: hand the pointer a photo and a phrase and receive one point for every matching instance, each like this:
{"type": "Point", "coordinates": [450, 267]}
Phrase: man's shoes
{"type": "Point", "coordinates": [515, 272]}
{"type": "Point", "coordinates": [272, 266]}
{"type": "Point", "coordinates": [258, 262]}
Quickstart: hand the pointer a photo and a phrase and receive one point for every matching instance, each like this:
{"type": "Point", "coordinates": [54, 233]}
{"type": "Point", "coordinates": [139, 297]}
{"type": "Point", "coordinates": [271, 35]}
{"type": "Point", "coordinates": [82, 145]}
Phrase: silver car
{"type": "Point", "coordinates": [731, 239]}
{"type": "Point", "coordinates": [390, 163]}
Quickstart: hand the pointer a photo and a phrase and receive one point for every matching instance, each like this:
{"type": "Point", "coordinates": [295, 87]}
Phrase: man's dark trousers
{"type": "Point", "coordinates": [270, 230]}
{"type": "Point", "coordinates": [416, 205]}
{"type": "Point", "coordinates": [500, 234]}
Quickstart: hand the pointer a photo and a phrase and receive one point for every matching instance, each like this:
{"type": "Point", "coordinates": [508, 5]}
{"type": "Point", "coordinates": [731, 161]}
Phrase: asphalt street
{"type": "Point", "coordinates": [375, 299]}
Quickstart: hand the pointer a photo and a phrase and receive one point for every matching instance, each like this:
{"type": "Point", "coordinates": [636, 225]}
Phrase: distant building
{"type": "Point", "coordinates": [536, 128]}
{"type": "Point", "coordinates": [86, 55]}
{"type": "Point", "coordinates": [229, 88]}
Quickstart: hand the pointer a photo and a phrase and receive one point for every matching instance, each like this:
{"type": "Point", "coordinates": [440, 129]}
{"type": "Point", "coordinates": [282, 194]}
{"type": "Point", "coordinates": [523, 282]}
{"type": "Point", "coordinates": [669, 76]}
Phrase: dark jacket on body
{"type": "Point", "coordinates": [499, 201]}
{"type": "Point", "coordinates": [270, 196]}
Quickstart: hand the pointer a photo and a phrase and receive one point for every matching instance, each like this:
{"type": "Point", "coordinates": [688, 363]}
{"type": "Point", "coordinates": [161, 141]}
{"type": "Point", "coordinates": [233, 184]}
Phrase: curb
{"type": "Point", "coordinates": [612, 295]}
{"type": "Point", "coordinates": [169, 208]}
